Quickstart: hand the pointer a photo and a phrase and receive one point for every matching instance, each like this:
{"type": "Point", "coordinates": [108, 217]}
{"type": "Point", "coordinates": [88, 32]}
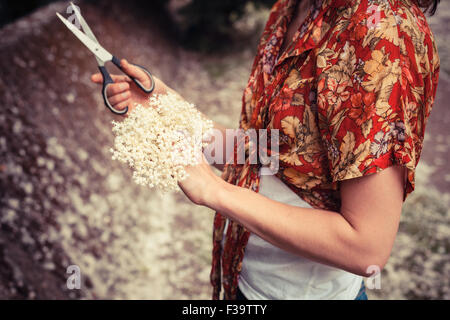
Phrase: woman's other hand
{"type": "Point", "coordinates": [124, 92]}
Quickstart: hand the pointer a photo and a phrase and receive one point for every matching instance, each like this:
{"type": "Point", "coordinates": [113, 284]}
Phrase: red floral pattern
{"type": "Point", "coordinates": [350, 96]}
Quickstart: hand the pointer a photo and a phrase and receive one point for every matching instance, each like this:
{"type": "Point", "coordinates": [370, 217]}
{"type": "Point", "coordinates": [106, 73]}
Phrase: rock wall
{"type": "Point", "coordinates": [63, 200]}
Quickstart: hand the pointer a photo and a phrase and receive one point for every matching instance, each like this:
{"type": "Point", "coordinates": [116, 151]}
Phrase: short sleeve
{"type": "Point", "coordinates": [372, 94]}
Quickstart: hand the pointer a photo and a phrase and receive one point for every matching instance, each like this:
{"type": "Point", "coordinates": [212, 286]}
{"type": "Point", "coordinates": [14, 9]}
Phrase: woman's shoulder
{"type": "Point", "coordinates": [379, 15]}
{"type": "Point", "coordinates": [398, 24]}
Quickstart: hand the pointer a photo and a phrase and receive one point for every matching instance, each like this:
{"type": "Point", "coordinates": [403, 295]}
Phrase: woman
{"type": "Point", "coordinates": [349, 84]}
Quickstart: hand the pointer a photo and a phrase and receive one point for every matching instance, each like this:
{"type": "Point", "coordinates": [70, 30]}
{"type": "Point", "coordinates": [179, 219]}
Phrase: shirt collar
{"type": "Point", "coordinates": [312, 30]}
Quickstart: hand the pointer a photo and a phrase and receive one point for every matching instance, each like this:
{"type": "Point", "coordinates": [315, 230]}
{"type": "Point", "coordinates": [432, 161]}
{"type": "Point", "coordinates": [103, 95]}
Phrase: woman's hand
{"type": "Point", "coordinates": [124, 92]}
{"type": "Point", "coordinates": [202, 185]}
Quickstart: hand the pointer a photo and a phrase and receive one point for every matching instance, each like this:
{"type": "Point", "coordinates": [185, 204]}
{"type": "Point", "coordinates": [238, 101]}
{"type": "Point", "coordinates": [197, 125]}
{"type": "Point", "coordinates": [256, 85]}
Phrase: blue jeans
{"type": "Point", "coordinates": [362, 293]}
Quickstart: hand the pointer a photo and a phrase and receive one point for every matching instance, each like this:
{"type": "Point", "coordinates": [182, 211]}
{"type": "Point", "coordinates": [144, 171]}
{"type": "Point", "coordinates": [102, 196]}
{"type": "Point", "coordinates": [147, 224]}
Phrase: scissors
{"type": "Point", "coordinates": [103, 56]}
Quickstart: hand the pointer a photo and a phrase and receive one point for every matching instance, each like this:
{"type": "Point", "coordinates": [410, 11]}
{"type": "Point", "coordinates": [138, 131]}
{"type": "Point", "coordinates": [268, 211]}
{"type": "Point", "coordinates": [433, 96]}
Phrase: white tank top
{"type": "Point", "coordinates": [270, 273]}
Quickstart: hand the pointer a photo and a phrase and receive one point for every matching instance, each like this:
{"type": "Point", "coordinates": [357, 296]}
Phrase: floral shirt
{"type": "Point", "coordinates": [350, 96]}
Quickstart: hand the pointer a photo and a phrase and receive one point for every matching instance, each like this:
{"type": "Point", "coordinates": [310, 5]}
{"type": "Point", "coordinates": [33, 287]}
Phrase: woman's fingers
{"type": "Point", "coordinates": [98, 78]}
{"type": "Point", "coordinates": [122, 105]}
{"type": "Point", "coordinates": [134, 71]}
{"type": "Point", "coordinates": [119, 98]}
{"type": "Point", "coordinates": [117, 88]}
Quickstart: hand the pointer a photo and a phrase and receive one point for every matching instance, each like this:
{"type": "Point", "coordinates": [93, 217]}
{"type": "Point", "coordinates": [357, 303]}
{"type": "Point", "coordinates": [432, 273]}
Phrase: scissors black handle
{"type": "Point", "coordinates": [107, 80]}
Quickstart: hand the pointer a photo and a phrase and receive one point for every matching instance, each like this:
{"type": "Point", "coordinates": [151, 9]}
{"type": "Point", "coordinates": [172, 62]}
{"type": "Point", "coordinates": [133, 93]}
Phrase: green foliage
{"type": "Point", "coordinates": [207, 24]}
{"type": "Point", "coordinates": [199, 24]}
{"type": "Point", "coordinates": [12, 10]}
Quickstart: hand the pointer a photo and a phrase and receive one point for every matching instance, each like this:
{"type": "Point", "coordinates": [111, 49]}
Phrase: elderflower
{"type": "Point", "coordinates": [157, 142]}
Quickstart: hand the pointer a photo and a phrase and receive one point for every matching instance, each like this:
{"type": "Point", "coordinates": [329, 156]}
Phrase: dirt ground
{"type": "Point", "coordinates": [64, 202]}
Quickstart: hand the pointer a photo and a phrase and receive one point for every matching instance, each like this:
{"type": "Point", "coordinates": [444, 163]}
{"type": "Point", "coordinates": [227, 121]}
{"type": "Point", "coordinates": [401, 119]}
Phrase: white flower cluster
{"type": "Point", "coordinates": [159, 140]}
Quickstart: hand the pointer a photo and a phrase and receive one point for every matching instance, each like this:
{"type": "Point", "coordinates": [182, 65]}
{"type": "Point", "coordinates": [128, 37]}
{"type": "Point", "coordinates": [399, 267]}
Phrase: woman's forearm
{"type": "Point", "coordinates": [319, 235]}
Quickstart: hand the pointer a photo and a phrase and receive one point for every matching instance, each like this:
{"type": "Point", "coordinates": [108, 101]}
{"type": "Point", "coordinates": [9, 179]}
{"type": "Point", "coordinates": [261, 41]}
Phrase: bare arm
{"type": "Point", "coordinates": [360, 235]}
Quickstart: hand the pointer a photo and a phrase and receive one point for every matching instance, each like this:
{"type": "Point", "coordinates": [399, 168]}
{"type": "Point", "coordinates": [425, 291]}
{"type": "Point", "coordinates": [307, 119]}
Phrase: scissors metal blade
{"type": "Point", "coordinates": [93, 46]}
{"type": "Point", "coordinates": [87, 30]}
